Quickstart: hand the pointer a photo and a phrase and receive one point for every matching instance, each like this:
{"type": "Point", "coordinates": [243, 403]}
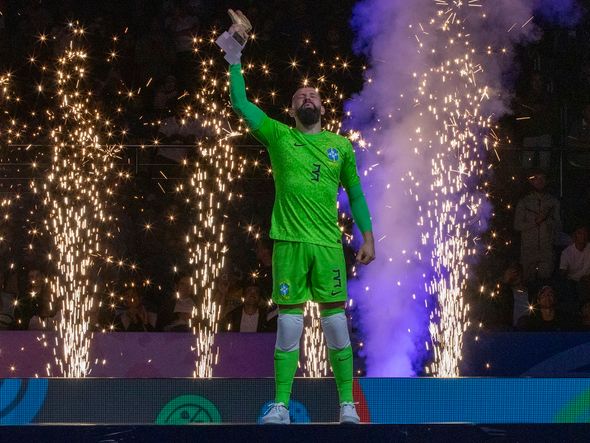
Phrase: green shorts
{"type": "Point", "coordinates": [304, 271]}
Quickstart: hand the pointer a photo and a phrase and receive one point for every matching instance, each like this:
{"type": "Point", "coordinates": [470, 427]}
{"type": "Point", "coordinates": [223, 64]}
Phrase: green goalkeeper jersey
{"type": "Point", "coordinates": [307, 170]}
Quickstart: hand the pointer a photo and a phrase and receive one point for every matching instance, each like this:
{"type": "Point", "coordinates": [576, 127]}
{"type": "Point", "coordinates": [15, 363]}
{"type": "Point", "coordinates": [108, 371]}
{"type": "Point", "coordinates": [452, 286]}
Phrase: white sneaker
{"type": "Point", "coordinates": [348, 414]}
{"type": "Point", "coordinates": [276, 414]}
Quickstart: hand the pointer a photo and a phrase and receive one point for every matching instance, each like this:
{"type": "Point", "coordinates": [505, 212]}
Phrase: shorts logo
{"type": "Point", "coordinates": [284, 289]}
{"type": "Point", "coordinates": [337, 281]}
{"type": "Point", "coordinates": [337, 278]}
{"type": "Point", "coordinates": [332, 154]}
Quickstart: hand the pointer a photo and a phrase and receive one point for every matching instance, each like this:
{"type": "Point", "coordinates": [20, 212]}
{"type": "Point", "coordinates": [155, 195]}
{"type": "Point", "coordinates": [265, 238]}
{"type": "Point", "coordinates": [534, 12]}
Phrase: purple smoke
{"type": "Point", "coordinates": [390, 295]}
{"type": "Point", "coordinates": [559, 12]}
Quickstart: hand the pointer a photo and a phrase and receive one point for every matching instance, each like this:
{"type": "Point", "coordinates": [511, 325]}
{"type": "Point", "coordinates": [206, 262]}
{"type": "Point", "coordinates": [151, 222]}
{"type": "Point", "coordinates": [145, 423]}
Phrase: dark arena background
{"type": "Point", "coordinates": [135, 211]}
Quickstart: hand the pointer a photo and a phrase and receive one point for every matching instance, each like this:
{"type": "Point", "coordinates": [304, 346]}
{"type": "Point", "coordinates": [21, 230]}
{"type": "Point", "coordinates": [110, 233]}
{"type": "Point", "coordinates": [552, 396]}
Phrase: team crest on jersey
{"type": "Point", "coordinates": [332, 154]}
{"type": "Point", "coordinates": [284, 289]}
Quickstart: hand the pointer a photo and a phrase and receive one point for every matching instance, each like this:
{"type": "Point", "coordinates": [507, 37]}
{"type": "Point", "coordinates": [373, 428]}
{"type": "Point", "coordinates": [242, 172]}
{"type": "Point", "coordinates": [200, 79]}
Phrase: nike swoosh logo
{"type": "Point", "coordinates": [336, 292]}
{"type": "Point", "coordinates": [299, 144]}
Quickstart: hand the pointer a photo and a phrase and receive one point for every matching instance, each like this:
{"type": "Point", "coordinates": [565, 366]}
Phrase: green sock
{"type": "Point", "coordinates": [285, 367]}
{"type": "Point", "coordinates": [341, 360]}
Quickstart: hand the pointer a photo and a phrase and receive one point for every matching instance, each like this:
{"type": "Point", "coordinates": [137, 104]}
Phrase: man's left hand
{"type": "Point", "coordinates": [366, 253]}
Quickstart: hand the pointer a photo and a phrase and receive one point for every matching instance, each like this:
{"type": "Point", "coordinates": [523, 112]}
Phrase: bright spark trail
{"type": "Point", "coordinates": [79, 185]}
{"type": "Point", "coordinates": [76, 188]}
{"type": "Point", "coordinates": [6, 202]}
{"type": "Point", "coordinates": [213, 172]}
{"type": "Point", "coordinates": [434, 85]}
{"type": "Point", "coordinates": [449, 97]}
{"type": "Point", "coordinates": [316, 363]}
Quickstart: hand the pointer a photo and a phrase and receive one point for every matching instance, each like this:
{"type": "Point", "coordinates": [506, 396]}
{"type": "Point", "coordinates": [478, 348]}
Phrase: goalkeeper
{"type": "Point", "coordinates": [308, 165]}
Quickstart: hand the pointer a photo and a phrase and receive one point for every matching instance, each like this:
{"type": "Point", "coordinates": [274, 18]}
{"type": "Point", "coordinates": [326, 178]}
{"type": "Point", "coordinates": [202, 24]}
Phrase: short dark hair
{"type": "Point", "coordinates": [579, 225]}
{"type": "Point", "coordinates": [180, 275]}
{"type": "Point", "coordinates": [533, 172]}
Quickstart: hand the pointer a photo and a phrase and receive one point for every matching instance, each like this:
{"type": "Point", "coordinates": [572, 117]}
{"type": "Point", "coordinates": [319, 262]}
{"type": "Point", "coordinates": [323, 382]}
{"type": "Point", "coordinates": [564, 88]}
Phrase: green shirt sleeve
{"type": "Point", "coordinates": [359, 208]}
{"type": "Point", "coordinates": [352, 183]}
{"type": "Point", "coordinates": [253, 115]}
{"type": "Point", "coordinates": [269, 132]}
{"type": "Point", "coordinates": [349, 176]}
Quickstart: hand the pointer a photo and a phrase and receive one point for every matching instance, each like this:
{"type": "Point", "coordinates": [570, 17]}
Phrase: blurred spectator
{"type": "Point", "coordinates": [228, 291]}
{"type": "Point", "coordinates": [108, 88]}
{"type": "Point", "coordinates": [334, 40]}
{"type": "Point", "coordinates": [47, 312]}
{"type": "Point", "coordinates": [583, 289]}
{"type": "Point", "coordinates": [36, 19]}
{"type": "Point", "coordinates": [263, 273]}
{"type": "Point", "coordinates": [165, 96]}
{"type": "Point", "coordinates": [575, 259]}
{"type": "Point", "coordinates": [179, 130]}
{"type": "Point", "coordinates": [221, 293]}
{"type": "Point", "coordinates": [97, 317]}
{"type": "Point", "coordinates": [154, 53]}
{"type": "Point", "coordinates": [536, 120]}
{"type": "Point", "coordinates": [537, 218]}
{"type": "Point", "coordinates": [514, 298]}
{"type": "Point", "coordinates": [579, 134]}
{"type": "Point", "coordinates": [585, 316]}
{"type": "Point", "coordinates": [183, 24]}
{"type": "Point", "coordinates": [252, 316]}
{"type": "Point", "coordinates": [61, 37]}
{"type": "Point", "coordinates": [8, 296]}
{"type": "Point", "coordinates": [544, 316]}
{"type": "Point", "coordinates": [134, 317]}
{"type": "Point", "coordinates": [579, 139]}
{"type": "Point", "coordinates": [183, 308]}
{"type": "Point", "coordinates": [152, 298]}
{"type": "Point", "coordinates": [574, 269]}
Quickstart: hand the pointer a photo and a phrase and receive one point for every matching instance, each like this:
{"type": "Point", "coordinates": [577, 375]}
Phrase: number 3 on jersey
{"type": "Point", "coordinates": [315, 174]}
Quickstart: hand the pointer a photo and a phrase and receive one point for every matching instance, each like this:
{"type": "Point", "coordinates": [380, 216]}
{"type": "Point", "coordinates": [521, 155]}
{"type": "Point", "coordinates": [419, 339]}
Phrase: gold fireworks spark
{"type": "Point", "coordinates": [79, 184]}
{"type": "Point", "coordinates": [316, 363]}
{"type": "Point", "coordinates": [76, 188]}
{"type": "Point", "coordinates": [452, 8]}
{"type": "Point", "coordinates": [215, 168]}
{"type": "Point", "coordinates": [452, 131]}
{"type": "Point", "coordinates": [6, 201]}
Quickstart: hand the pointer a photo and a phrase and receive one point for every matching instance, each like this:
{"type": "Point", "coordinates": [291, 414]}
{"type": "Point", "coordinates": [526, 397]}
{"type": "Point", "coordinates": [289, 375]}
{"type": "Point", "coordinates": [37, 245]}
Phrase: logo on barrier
{"type": "Point", "coordinates": [188, 409]}
{"type": "Point", "coordinates": [21, 400]}
{"type": "Point", "coordinates": [297, 412]}
{"type": "Point", "coordinates": [576, 411]}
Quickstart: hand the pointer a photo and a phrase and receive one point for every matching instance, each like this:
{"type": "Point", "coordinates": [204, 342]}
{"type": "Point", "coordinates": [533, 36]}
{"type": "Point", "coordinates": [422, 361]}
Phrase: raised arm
{"type": "Point", "coordinates": [251, 113]}
{"type": "Point", "coordinates": [232, 42]}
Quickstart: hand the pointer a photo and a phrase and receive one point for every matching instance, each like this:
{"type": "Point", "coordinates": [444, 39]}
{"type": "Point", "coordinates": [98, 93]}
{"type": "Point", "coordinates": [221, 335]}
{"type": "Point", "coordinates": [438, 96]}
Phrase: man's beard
{"type": "Point", "coordinates": [308, 116]}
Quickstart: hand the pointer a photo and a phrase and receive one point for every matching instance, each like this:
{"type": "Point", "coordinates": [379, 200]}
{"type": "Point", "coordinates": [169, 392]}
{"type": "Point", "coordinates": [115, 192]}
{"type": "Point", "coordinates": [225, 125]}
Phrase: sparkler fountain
{"type": "Point", "coordinates": [214, 170]}
{"type": "Point", "coordinates": [432, 92]}
{"type": "Point", "coordinates": [76, 190]}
